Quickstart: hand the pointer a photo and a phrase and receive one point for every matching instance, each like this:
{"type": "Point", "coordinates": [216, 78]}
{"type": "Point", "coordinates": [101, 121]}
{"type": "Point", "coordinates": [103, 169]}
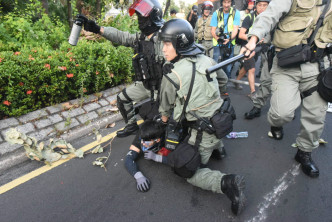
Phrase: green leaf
{"type": "Point", "coordinates": [50, 156]}
{"type": "Point", "coordinates": [79, 153]}
{"type": "Point", "coordinates": [97, 149]}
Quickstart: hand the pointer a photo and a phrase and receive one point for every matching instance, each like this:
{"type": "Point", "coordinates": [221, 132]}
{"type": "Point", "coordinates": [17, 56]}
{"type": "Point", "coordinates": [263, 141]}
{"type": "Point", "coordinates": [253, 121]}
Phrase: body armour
{"type": "Point", "coordinates": [205, 97]}
{"type": "Point", "coordinates": [204, 28]}
{"type": "Point", "coordinates": [297, 26]}
{"type": "Point", "coordinates": [147, 68]}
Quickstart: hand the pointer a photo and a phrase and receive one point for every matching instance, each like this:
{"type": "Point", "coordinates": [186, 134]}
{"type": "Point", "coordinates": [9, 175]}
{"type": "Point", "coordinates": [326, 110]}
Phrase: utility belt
{"type": "Point", "coordinates": [299, 54]}
{"type": "Point", "coordinates": [220, 124]}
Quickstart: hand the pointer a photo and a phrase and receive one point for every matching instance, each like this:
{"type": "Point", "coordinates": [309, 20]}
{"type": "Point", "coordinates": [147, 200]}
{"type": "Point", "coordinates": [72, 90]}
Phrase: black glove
{"type": "Point", "coordinates": [167, 68]}
{"type": "Point", "coordinates": [89, 25]}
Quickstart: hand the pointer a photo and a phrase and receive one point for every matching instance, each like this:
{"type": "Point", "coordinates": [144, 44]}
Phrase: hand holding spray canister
{"type": "Point", "coordinates": [76, 29]}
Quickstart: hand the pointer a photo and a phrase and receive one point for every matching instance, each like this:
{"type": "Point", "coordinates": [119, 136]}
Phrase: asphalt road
{"type": "Point", "coordinates": [276, 188]}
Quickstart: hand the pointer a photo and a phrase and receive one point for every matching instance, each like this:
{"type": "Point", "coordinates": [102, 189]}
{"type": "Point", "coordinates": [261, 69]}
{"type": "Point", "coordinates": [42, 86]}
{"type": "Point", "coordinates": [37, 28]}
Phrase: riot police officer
{"type": "Point", "coordinates": [292, 85]}
{"type": "Point", "coordinates": [147, 62]}
{"type": "Point", "coordinates": [186, 59]}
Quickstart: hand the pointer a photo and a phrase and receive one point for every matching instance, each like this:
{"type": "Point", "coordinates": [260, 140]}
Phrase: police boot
{"type": "Point", "coordinates": [276, 132]}
{"type": "Point", "coordinates": [218, 154]}
{"type": "Point", "coordinates": [308, 165]}
{"type": "Point", "coordinates": [254, 112]}
{"type": "Point", "coordinates": [128, 130]}
{"type": "Point", "coordinates": [233, 185]}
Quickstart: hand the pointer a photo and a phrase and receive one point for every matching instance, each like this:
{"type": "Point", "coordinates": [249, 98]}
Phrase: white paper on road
{"type": "Point", "coordinates": [329, 107]}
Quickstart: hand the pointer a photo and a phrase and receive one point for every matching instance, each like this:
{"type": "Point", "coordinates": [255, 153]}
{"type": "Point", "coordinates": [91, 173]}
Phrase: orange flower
{"type": "Point", "coordinates": [31, 58]}
{"type": "Point", "coordinates": [50, 57]}
{"type": "Point", "coordinates": [77, 65]}
{"type": "Point", "coordinates": [70, 75]}
{"type": "Point", "coordinates": [71, 59]}
{"type": "Point", "coordinates": [97, 73]}
{"type": "Point", "coordinates": [47, 66]}
{"type": "Point", "coordinates": [33, 50]}
{"type": "Point", "coordinates": [84, 90]}
{"type": "Point", "coordinates": [21, 84]}
{"type": "Point", "coordinates": [17, 53]}
{"type": "Point", "coordinates": [29, 92]}
{"type": "Point", "coordinates": [111, 75]}
{"type": "Point", "coordinates": [7, 103]}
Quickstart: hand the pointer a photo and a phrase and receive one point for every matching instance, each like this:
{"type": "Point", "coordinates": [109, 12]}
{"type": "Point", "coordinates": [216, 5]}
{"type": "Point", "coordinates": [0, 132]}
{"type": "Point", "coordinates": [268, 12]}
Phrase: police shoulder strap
{"type": "Point", "coordinates": [319, 23]}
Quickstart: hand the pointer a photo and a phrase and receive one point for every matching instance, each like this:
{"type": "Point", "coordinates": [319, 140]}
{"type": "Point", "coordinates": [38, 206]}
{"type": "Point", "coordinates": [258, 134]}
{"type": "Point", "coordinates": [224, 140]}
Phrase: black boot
{"type": "Point", "coordinates": [277, 132]}
{"type": "Point", "coordinates": [308, 165]}
{"type": "Point", "coordinates": [233, 185]}
{"type": "Point", "coordinates": [128, 130]}
{"type": "Point", "coordinates": [218, 154]}
{"type": "Point", "coordinates": [254, 112]}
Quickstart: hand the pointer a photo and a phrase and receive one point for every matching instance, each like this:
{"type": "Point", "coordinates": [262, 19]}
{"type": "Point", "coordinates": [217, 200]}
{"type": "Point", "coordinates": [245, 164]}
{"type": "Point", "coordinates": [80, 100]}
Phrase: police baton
{"type": "Point", "coordinates": [229, 61]}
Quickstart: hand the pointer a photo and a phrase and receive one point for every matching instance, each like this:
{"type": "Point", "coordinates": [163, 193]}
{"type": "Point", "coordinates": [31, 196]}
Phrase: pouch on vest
{"type": "Point", "coordinates": [185, 159]}
{"type": "Point", "coordinates": [222, 121]}
{"type": "Point", "coordinates": [294, 56]}
{"type": "Point", "coordinates": [325, 84]}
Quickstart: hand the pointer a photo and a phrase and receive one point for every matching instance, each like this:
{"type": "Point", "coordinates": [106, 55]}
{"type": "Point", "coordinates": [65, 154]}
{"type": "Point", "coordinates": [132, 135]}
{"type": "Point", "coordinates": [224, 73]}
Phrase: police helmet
{"type": "Point", "coordinates": [181, 34]}
{"type": "Point", "coordinates": [148, 8]}
{"type": "Point", "coordinates": [207, 5]}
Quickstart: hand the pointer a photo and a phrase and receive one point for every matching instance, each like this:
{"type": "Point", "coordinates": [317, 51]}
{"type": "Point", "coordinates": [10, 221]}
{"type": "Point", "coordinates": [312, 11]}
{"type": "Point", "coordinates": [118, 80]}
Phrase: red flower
{"type": "Point", "coordinates": [21, 84]}
{"type": "Point", "coordinates": [97, 73]}
{"type": "Point", "coordinates": [7, 103]}
{"type": "Point", "coordinates": [29, 92]}
{"type": "Point", "coordinates": [0, 59]}
{"type": "Point", "coordinates": [47, 66]}
{"type": "Point", "coordinates": [77, 65]}
{"type": "Point", "coordinates": [17, 53]}
{"type": "Point", "coordinates": [70, 75]}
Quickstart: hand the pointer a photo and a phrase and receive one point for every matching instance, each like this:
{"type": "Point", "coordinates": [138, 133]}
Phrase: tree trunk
{"type": "Point", "coordinates": [168, 3]}
{"type": "Point", "coordinates": [70, 18]}
{"type": "Point", "coordinates": [45, 6]}
{"type": "Point", "coordinates": [98, 9]}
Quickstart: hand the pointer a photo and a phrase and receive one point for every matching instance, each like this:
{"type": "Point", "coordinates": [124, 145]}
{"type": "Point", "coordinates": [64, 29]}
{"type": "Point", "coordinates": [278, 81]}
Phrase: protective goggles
{"type": "Point", "coordinates": [148, 143]}
{"type": "Point", "coordinates": [144, 7]}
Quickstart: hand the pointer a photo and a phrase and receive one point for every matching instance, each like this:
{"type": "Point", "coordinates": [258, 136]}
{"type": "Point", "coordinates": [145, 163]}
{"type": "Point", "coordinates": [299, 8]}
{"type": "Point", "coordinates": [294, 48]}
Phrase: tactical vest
{"type": "Point", "coordinates": [147, 68]}
{"type": "Point", "coordinates": [220, 16]}
{"type": "Point", "coordinates": [205, 98]}
{"type": "Point", "coordinates": [296, 27]}
{"type": "Point", "coordinates": [204, 28]}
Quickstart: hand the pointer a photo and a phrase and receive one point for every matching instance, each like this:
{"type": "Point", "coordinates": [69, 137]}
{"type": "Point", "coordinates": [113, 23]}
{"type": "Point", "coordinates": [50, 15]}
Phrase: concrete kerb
{"type": "Point", "coordinates": [11, 159]}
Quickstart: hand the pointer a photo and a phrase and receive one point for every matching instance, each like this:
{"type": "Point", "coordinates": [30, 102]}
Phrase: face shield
{"type": "Point", "coordinates": [143, 7]}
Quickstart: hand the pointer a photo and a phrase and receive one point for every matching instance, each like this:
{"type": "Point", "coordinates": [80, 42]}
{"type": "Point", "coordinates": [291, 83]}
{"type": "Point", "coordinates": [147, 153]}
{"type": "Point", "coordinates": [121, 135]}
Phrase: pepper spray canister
{"type": "Point", "coordinates": [75, 31]}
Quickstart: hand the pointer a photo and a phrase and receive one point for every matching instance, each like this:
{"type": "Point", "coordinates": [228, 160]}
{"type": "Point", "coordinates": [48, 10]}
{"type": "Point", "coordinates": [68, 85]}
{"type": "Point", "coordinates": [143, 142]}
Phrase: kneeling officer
{"type": "Point", "coordinates": [187, 60]}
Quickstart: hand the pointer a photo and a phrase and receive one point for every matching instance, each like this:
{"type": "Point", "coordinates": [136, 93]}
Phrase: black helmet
{"type": "Point", "coordinates": [181, 34]}
{"type": "Point", "coordinates": [207, 5]}
{"type": "Point", "coordinates": [257, 1]}
{"type": "Point", "coordinates": [148, 8]}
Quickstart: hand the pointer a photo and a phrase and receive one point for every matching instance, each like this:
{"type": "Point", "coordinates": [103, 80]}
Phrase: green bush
{"type": "Point", "coordinates": [34, 78]}
{"type": "Point", "coordinates": [38, 68]}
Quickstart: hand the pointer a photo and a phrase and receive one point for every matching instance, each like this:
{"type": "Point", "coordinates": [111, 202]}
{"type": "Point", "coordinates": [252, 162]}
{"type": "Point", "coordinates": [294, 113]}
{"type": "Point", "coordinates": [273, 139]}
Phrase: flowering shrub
{"type": "Point", "coordinates": [34, 78]}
